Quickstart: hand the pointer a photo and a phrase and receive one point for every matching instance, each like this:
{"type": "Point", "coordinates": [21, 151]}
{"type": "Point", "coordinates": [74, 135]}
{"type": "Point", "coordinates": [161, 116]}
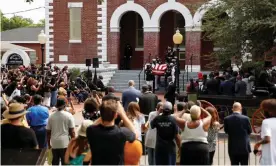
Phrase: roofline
{"type": "Point", "coordinates": [18, 42]}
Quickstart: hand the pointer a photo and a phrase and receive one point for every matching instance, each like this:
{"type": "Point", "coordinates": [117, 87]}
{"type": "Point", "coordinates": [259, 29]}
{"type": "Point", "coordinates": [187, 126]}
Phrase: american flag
{"type": "Point", "coordinates": [159, 69]}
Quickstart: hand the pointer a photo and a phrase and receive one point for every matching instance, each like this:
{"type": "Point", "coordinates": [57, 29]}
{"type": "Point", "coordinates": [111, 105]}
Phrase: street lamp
{"type": "Point", "coordinates": [42, 38]}
{"type": "Point", "coordinates": [177, 39]}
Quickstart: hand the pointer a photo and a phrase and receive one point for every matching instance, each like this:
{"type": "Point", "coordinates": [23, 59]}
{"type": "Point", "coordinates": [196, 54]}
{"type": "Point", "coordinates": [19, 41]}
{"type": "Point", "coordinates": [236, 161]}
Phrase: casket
{"type": "Point", "coordinates": [159, 69]}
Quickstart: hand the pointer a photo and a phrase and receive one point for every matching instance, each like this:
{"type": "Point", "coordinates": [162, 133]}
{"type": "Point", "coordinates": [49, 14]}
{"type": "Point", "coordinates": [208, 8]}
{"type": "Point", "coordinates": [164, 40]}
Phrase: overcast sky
{"type": "Point", "coordinates": [10, 6]}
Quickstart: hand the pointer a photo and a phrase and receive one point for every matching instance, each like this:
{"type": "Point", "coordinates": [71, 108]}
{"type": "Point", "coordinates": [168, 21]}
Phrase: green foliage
{"type": "Point", "coordinates": [246, 20]}
{"type": "Point", "coordinates": [74, 73]}
{"type": "Point", "coordinates": [18, 22]}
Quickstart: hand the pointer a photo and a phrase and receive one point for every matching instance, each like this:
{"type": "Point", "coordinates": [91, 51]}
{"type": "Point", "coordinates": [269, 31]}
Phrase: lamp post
{"type": "Point", "coordinates": [177, 39]}
{"type": "Point", "coordinates": [42, 38]}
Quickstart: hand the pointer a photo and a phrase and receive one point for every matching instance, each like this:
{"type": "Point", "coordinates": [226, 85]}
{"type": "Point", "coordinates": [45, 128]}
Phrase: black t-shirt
{"type": "Point", "coordinates": [107, 144]}
{"type": "Point", "coordinates": [17, 137]}
{"type": "Point", "coordinates": [166, 132]}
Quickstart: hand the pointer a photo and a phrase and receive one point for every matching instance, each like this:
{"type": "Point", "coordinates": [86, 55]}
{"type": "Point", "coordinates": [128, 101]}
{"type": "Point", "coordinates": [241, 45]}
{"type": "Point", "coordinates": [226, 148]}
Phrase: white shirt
{"type": "Point", "coordinates": [16, 92]}
{"type": "Point", "coordinates": [59, 123]}
{"type": "Point", "coordinates": [138, 122]}
{"type": "Point", "coordinates": [152, 115]}
{"type": "Point", "coordinates": [197, 134]}
{"type": "Point", "coordinates": [269, 150]}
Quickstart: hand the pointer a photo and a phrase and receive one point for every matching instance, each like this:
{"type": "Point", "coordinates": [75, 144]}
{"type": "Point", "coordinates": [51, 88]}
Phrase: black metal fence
{"type": "Point", "coordinates": [221, 156]}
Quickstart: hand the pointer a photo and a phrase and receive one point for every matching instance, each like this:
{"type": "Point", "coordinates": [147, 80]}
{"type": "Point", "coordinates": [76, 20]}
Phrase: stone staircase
{"type": "Point", "coordinates": [121, 77]}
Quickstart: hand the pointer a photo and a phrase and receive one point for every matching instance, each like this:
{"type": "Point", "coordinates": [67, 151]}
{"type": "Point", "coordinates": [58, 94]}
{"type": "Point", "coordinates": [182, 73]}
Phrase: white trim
{"type": "Point", "coordinates": [151, 29]}
{"type": "Point", "coordinates": [74, 41]}
{"type": "Point", "coordinates": [75, 4]}
{"type": "Point", "coordinates": [31, 42]}
{"type": "Point", "coordinates": [171, 5]}
{"type": "Point", "coordinates": [48, 29]}
{"type": "Point", "coordinates": [139, 49]}
{"type": "Point", "coordinates": [25, 57]}
{"type": "Point", "coordinates": [193, 29]}
{"type": "Point", "coordinates": [195, 68]}
{"type": "Point", "coordinates": [202, 10]}
{"type": "Point", "coordinates": [121, 10]}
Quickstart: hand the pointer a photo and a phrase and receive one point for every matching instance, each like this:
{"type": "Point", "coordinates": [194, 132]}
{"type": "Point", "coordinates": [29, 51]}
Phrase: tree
{"type": "Point", "coordinates": [241, 27]}
{"type": "Point", "coordinates": [14, 22]}
{"type": "Point", "coordinates": [41, 23]}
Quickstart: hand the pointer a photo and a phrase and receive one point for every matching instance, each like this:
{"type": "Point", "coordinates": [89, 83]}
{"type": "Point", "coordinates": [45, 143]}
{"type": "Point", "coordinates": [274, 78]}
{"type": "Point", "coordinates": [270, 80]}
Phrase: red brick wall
{"type": "Point", "coordinates": [150, 5]}
{"type": "Point", "coordinates": [151, 46]}
{"type": "Point", "coordinates": [37, 48]}
{"type": "Point", "coordinates": [112, 56]}
{"type": "Point", "coordinates": [193, 47]}
{"type": "Point", "coordinates": [77, 52]}
{"type": "Point", "coordinates": [192, 5]}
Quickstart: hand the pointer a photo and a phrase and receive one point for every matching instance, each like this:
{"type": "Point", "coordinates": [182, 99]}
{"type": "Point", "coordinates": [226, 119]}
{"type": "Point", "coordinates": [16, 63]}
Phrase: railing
{"type": "Point", "coordinates": [221, 156]}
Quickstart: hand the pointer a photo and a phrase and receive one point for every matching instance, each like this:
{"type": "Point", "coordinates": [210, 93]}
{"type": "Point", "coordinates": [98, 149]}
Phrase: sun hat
{"type": "Point", "coordinates": [14, 111]}
{"type": "Point", "coordinates": [83, 127]}
{"type": "Point", "coordinates": [167, 106]}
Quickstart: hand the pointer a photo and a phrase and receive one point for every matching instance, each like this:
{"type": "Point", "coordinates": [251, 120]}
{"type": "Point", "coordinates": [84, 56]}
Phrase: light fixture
{"type": "Point", "coordinates": [177, 37]}
{"type": "Point", "coordinates": [42, 38]}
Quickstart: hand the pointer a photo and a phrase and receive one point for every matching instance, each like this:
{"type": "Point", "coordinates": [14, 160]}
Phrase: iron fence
{"type": "Point", "coordinates": [221, 156]}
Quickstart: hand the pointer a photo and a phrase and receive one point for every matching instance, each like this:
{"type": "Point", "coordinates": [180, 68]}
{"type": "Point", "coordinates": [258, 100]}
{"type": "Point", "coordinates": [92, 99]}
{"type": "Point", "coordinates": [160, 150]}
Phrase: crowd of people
{"type": "Point", "coordinates": [233, 83]}
{"type": "Point", "coordinates": [176, 132]}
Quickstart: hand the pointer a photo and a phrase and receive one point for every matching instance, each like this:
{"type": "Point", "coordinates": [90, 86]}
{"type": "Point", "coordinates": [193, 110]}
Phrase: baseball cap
{"type": "Point", "coordinates": [167, 106]}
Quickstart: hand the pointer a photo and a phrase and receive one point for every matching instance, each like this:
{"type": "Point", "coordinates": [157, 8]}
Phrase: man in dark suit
{"type": "Point", "coordinates": [240, 87]}
{"type": "Point", "coordinates": [130, 95]}
{"type": "Point", "coordinates": [147, 101]}
{"type": "Point", "coordinates": [227, 87]}
{"type": "Point", "coordinates": [170, 94]}
{"type": "Point", "coordinates": [238, 128]}
{"type": "Point", "coordinates": [212, 85]}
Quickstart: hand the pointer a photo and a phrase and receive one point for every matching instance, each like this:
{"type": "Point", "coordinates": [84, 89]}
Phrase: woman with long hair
{"type": "Point", "coordinates": [138, 119]}
{"type": "Point", "coordinates": [212, 133]}
{"type": "Point", "coordinates": [78, 151]}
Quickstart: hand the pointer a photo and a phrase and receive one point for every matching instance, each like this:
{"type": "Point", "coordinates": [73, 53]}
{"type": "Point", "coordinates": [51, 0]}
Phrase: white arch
{"type": "Point", "coordinates": [23, 54]}
{"type": "Point", "coordinates": [172, 5]}
{"type": "Point", "coordinates": [202, 10]}
{"type": "Point", "coordinates": [121, 10]}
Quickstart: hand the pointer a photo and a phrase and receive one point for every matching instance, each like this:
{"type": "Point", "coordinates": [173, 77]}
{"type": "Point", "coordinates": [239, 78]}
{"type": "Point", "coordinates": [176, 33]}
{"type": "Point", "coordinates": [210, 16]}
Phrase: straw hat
{"type": "Point", "coordinates": [83, 127]}
{"type": "Point", "coordinates": [15, 110]}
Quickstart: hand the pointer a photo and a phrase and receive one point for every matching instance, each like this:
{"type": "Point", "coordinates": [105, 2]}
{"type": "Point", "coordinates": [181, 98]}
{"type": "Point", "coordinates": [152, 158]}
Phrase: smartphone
{"type": "Point", "coordinates": [94, 93]}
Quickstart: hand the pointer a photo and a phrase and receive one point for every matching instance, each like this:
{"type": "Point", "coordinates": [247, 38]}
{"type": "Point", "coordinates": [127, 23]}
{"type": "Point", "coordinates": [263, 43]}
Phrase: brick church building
{"type": "Point", "coordinates": [81, 29]}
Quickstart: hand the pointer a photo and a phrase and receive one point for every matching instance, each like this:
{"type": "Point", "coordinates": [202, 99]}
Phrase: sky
{"type": "Point", "coordinates": [10, 6]}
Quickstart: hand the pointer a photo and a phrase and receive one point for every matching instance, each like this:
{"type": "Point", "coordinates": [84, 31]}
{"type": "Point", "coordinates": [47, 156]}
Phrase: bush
{"type": "Point", "coordinates": [74, 73]}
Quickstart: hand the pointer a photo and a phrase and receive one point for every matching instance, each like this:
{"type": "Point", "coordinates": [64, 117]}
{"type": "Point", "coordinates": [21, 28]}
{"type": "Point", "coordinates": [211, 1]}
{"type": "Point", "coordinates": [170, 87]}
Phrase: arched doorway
{"type": "Point", "coordinates": [169, 23]}
{"type": "Point", "coordinates": [131, 41]}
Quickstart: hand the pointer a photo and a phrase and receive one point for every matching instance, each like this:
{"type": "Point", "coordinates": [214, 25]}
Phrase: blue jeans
{"type": "Point", "coordinates": [165, 158]}
{"type": "Point", "coordinates": [54, 98]}
{"type": "Point", "coordinates": [151, 156]}
{"type": "Point", "coordinates": [41, 135]}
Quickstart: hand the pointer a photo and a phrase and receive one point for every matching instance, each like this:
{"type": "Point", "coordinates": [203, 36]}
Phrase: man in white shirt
{"type": "Point", "coordinates": [268, 134]}
{"type": "Point", "coordinates": [60, 126]}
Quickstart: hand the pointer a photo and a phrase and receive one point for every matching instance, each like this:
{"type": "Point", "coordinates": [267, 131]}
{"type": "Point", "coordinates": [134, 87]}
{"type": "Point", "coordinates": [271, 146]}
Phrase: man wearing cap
{"type": "Point", "coordinates": [59, 128]}
{"type": "Point", "coordinates": [13, 134]}
{"type": "Point", "coordinates": [167, 132]}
